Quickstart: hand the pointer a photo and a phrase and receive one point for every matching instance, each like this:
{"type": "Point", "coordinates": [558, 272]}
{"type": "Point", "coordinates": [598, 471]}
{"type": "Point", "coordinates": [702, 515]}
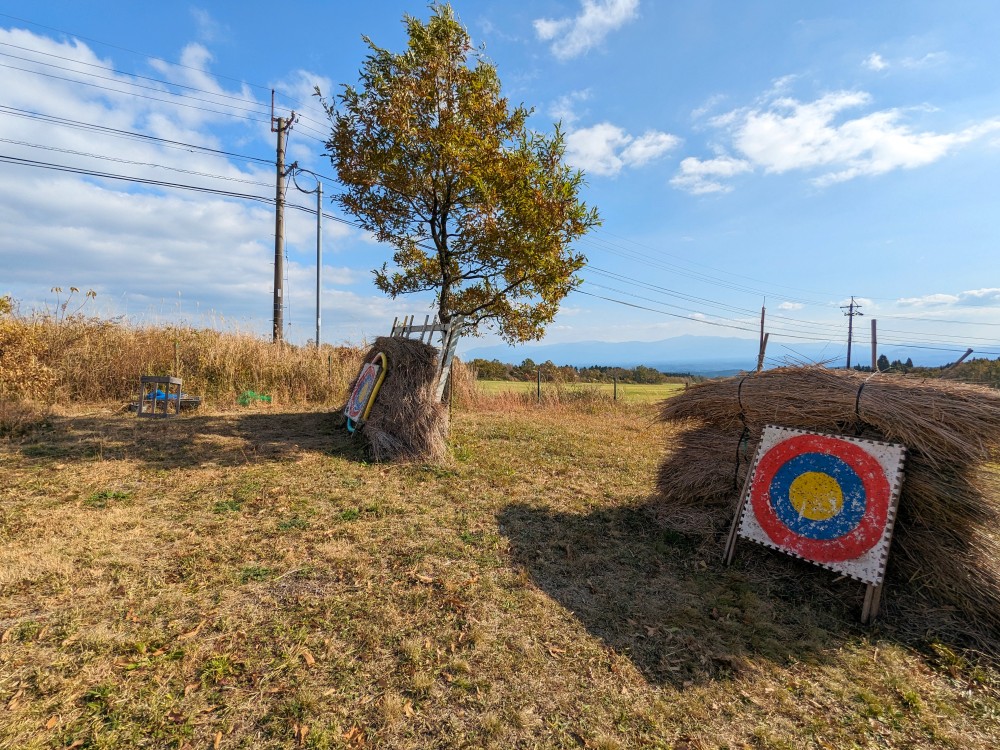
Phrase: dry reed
{"type": "Point", "coordinates": [946, 543]}
{"type": "Point", "coordinates": [80, 359]}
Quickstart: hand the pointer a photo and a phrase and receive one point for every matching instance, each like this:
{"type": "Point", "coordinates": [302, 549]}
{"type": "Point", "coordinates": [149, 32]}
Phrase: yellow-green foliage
{"type": "Point", "coordinates": [87, 359]}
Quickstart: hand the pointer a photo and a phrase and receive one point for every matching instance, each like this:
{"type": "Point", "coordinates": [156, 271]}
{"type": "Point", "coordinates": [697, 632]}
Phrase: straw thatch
{"type": "Point", "coordinates": [947, 534]}
{"type": "Point", "coordinates": [406, 422]}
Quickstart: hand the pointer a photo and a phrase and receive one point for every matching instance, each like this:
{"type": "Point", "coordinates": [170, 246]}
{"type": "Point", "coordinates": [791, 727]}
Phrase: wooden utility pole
{"type": "Point", "coordinates": [281, 126]}
{"type": "Point", "coordinates": [762, 343]}
{"type": "Point", "coordinates": [852, 309]}
{"type": "Point", "coordinates": [874, 347]}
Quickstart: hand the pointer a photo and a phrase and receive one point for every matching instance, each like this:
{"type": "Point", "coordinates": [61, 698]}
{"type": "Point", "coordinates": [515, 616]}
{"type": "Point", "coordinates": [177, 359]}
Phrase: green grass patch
{"type": "Point", "coordinates": [639, 393]}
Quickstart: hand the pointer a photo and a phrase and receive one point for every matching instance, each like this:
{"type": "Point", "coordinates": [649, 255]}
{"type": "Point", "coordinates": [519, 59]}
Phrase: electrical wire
{"type": "Point", "coordinates": [134, 163]}
{"type": "Point", "coordinates": [54, 119]}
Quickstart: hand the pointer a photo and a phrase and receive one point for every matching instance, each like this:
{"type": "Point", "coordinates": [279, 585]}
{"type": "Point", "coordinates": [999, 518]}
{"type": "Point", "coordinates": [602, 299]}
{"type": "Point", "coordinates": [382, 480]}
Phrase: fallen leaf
{"type": "Point", "coordinates": [423, 579]}
{"type": "Point", "coordinates": [51, 722]}
{"type": "Point", "coordinates": [191, 687]}
{"type": "Point", "coordinates": [309, 659]}
{"type": "Point", "coordinates": [76, 743]}
{"type": "Point", "coordinates": [217, 742]}
{"type": "Point", "coordinates": [192, 633]}
{"type": "Point", "coordinates": [408, 708]}
{"type": "Point", "coordinates": [556, 652]}
{"type": "Point", "coordinates": [6, 635]}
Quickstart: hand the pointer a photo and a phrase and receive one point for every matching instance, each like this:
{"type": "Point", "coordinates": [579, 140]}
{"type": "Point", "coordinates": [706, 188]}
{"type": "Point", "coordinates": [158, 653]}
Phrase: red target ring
{"type": "Point", "coordinates": [848, 546]}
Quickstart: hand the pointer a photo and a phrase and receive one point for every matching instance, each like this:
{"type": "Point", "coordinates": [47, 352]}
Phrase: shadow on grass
{"type": "Point", "coordinates": [665, 600]}
{"type": "Point", "coordinates": [194, 440]}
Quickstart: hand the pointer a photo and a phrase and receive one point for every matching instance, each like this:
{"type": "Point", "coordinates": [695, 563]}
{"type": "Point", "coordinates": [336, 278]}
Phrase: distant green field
{"type": "Point", "coordinates": [625, 392]}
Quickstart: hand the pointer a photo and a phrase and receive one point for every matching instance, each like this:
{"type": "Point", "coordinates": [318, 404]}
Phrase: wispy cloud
{"type": "Point", "coordinates": [572, 37]}
{"type": "Point", "coordinates": [564, 108]}
{"type": "Point", "coordinates": [987, 297]}
{"type": "Point", "coordinates": [782, 134]}
{"type": "Point", "coordinates": [878, 63]}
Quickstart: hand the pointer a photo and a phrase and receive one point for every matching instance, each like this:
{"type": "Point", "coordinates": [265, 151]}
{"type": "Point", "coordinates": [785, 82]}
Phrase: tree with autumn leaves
{"type": "Point", "coordinates": [479, 209]}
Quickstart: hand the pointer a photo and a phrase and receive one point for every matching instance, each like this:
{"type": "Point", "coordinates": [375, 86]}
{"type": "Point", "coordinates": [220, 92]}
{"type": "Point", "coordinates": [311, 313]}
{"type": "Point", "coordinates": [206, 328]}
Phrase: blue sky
{"type": "Point", "coordinates": [741, 153]}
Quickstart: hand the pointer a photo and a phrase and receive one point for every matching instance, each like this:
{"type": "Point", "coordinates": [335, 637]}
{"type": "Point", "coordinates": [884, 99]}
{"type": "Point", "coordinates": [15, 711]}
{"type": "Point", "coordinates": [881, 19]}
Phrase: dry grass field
{"type": "Point", "coordinates": [244, 579]}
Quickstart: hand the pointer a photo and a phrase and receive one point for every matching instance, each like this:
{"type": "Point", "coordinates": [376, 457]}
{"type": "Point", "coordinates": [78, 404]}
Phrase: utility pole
{"type": "Point", "coordinates": [874, 346]}
{"type": "Point", "coordinates": [295, 169]}
{"type": "Point", "coordinates": [319, 254]}
{"type": "Point", "coordinates": [281, 126]}
{"type": "Point", "coordinates": [852, 309]}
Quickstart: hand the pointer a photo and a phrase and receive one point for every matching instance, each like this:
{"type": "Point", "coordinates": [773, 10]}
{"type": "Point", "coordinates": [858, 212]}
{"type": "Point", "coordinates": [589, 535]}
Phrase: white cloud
{"type": "Point", "coordinates": [783, 134]}
{"type": "Point", "coordinates": [875, 62]}
{"type": "Point", "coordinates": [141, 247]}
{"type": "Point", "coordinates": [987, 297]}
{"type": "Point", "coordinates": [571, 37]}
{"type": "Point", "coordinates": [564, 108]}
{"type": "Point", "coordinates": [791, 306]}
{"type": "Point", "coordinates": [606, 149]}
{"type": "Point", "coordinates": [699, 176]}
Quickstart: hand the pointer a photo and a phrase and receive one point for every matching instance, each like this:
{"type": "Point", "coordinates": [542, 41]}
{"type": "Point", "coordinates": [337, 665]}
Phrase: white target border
{"type": "Point", "coordinates": [869, 567]}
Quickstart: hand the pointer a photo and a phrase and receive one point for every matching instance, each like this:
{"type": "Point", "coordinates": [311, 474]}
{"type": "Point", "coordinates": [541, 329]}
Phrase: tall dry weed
{"type": "Point", "coordinates": [87, 359]}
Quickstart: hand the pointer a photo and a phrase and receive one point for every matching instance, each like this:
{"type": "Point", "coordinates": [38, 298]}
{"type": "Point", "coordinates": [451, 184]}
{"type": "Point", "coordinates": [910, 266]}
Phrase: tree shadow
{"type": "Point", "coordinates": [664, 599]}
{"type": "Point", "coordinates": [194, 440]}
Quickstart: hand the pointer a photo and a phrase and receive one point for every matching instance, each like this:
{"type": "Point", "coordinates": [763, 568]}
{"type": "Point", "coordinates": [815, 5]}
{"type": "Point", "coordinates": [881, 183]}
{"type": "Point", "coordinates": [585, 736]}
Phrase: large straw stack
{"type": "Point", "coordinates": [406, 422]}
{"type": "Point", "coordinates": [947, 538]}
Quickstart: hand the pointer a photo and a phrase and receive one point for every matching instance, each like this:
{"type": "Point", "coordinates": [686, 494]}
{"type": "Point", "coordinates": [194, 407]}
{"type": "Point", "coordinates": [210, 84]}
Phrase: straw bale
{"type": "Point", "coordinates": [947, 422]}
{"type": "Point", "coordinates": [701, 469]}
{"type": "Point", "coordinates": [947, 535]}
{"type": "Point", "coordinates": [407, 422]}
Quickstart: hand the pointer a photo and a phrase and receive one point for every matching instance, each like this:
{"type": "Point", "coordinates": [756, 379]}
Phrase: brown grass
{"type": "Point", "coordinates": [244, 579]}
{"type": "Point", "coordinates": [82, 359]}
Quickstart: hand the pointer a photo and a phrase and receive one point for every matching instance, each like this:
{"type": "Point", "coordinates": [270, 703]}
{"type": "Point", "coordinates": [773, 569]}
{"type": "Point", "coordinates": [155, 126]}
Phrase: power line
{"type": "Point", "coordinates": [132, 93]}
{"type": "Point", "coordinates": [116, 132]}
{"type": "Point", "coordinates": [134, 163]}
{"type": "Point", "coordinates": [133, 52]}
{"type": "Point", "coordinates": [310, 132]}
{"type": "Point", "coordinates": [130, 83]}
{"type": "Point", "coordinates": [54, 119]}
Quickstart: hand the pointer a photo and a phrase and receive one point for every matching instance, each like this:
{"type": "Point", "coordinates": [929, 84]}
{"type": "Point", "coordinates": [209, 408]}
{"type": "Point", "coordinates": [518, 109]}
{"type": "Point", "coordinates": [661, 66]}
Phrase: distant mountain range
{"type": "Point", "coordinates": [705, 355]}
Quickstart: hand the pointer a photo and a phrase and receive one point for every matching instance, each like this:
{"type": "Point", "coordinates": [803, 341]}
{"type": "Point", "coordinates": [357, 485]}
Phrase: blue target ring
{"type": "Point", "coordinates": [820, 497]}
{"type": "Point", "coordinates": [852, 491]}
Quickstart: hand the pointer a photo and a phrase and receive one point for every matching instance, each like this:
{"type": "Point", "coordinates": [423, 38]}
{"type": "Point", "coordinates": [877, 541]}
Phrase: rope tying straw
{"type": "Point", "coordinates": [740, 445]}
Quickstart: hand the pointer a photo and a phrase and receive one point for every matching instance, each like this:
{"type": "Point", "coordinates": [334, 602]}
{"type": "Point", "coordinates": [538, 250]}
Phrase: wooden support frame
{"type": "Point", "coordinates": [450, 333]}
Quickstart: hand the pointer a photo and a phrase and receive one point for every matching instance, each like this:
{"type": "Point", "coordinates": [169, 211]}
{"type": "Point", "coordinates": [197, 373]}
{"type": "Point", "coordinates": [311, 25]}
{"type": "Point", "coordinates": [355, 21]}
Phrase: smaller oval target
{"type": "Point", "coordinates": [362, 391]}
{"type": "Point", "coordinates": [821, 497]}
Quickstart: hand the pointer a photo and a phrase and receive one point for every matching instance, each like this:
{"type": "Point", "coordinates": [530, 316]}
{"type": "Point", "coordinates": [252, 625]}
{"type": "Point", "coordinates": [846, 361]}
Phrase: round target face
{"type": "Point", "coordinates": [821, 498]}
{"type": "Point", "coordinates": [362, 391]}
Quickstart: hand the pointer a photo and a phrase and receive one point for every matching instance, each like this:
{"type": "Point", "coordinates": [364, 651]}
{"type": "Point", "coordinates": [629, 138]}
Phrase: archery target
{"type": "Point", "coordinates": [362, 391]}
{"type": "Point", "coordinates": [827, 499]}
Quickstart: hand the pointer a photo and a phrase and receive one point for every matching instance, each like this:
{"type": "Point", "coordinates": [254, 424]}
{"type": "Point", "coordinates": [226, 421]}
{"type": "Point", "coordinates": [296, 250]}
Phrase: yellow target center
{"type": "Point", "coordinates": [816, 496]}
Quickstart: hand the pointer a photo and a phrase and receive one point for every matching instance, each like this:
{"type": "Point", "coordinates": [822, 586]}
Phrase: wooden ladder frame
{"type": "Point", "coordinates": [450, 333]}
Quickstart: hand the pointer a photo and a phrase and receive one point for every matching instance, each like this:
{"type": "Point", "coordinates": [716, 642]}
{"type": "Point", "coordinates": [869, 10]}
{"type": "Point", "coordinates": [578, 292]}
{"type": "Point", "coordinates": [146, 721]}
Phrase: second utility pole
{"type": "Point", "coordinates": [852, 310]}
